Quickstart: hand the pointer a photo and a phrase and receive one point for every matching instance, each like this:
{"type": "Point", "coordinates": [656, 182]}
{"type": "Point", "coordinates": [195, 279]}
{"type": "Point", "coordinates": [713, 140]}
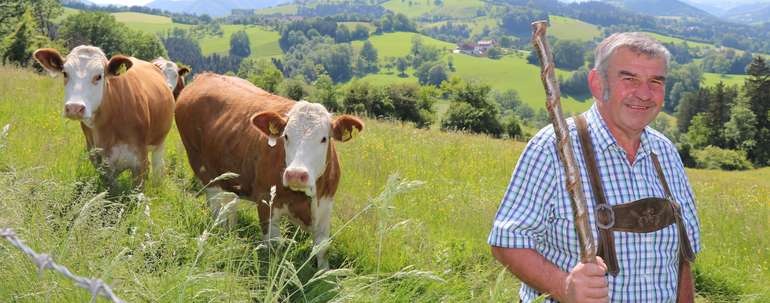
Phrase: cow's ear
{"type": "Point", "coordinates": [269, 123]}
{"type": "Point", "coordinates": [50, 59]}
{"type": "Point", "coordinates": [183, 71]}
{"type": "Point", "coordinates": [118, 65]}
{"type": "Point", "coordinates": [346, 127]}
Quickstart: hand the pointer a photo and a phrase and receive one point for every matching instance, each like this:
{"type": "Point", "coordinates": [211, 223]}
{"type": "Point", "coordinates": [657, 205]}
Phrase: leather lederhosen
{"type": "Point", "coordinates": [640, 216]}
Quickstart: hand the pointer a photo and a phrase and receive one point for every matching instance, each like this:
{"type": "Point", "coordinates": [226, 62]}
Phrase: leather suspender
{"type": "Point", "coordinates": [626, 217]}
{"type": "Point", "coordinates": [606, 248]}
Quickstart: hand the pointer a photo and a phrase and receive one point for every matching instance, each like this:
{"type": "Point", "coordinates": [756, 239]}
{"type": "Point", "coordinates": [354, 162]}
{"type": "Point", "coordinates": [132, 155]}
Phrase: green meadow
{"type": "Point", "coordinates": [509, 72]}
{"type": "Point", "coordinates": [451, 8]}
{"type": "Point", "coordinates": [566, 28]}
{"type": "Point", "coordinates": [420, 237]}
{"type": "Point", "coordinates": [148, 23]}
{"type": "Point", "coordinates": [711, 79]}
{"type": "Point", "coordinates": [264, 42]}
{"type": "Point", "coordinates": [286, 9]}
{"type": "Point", "coordinates": [669, 39]}
{"type": "Point", "coordinates": [399, 44]}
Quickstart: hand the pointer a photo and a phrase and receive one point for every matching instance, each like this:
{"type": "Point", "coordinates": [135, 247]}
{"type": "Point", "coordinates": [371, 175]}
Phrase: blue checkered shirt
{"type": "Point", "coordinates": [535, 212]}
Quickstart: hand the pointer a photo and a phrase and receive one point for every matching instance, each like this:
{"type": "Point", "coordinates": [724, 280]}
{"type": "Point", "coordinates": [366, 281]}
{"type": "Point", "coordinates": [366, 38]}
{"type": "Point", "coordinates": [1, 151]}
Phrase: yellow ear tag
{"type": "Point", "coordinates": [271, 139]}
{"type": "Point", "coordinates": [346, 135]}
{"type": "Point", "coordinates": [121, 69]}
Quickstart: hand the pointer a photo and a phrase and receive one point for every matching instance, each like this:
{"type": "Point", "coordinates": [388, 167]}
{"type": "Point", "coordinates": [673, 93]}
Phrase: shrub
{"type": "Point", "coordinates": [512, 127]}
{"type": "Point", "coordinates": [412, 103]}
{"type": "Point", "coordinates": [713, 157]}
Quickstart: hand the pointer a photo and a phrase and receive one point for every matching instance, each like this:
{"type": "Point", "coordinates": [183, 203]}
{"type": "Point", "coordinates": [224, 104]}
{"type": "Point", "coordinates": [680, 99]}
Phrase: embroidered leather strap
{"type": "Point", "coordinates": [641, 216]}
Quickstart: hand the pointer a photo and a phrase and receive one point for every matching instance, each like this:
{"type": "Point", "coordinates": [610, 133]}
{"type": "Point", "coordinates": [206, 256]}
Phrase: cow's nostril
{"type": "Point", "coordinates": [74, 109]}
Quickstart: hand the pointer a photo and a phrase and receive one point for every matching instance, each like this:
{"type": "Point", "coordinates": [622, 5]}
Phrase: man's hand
{"type": "Point", "coordinates": [586, 283]}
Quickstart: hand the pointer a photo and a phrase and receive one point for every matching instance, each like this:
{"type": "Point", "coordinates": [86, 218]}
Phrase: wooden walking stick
{"type": "Point", "coordinates": [563, 143]}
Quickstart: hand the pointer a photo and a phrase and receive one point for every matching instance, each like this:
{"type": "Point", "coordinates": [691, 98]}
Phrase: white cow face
{"type": "Point", "coordinates": [85, 72]}
{"type": "Point", "coordinates": [170, 71]}
{"type": "Point", "coordinates": [306, 134]}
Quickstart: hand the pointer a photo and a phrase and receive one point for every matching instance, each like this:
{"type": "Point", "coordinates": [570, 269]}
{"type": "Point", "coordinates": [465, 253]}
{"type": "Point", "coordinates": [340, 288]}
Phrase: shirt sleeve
{"type": "Point", "coordinates": [521, 218]}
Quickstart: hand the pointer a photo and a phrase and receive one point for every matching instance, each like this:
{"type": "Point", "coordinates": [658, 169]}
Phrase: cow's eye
{"type": "Point", "coordinates": [323, 140]}
{"type": "Point", "coordinates": [286, 137]}
{"type": "Point", "coordinates": [97, 78]}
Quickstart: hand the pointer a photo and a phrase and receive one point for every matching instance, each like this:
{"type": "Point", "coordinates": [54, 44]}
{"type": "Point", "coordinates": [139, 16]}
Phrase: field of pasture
{"type": "Point", "coordinates": [509, 72]}
{"type": "Point", "coordinates": [417, 237]}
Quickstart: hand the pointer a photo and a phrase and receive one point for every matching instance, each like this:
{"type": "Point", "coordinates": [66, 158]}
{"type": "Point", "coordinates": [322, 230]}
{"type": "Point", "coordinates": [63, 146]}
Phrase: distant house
{"type": "Point", "coordinates": [483, 46]}
{"type": "Point", "coordinates": [479, 48]}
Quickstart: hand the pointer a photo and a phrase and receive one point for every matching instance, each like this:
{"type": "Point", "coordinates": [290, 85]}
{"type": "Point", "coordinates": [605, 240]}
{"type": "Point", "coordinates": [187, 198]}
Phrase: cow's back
{"type": "Point", "coordinates": [213, 115]}
{"type": "Point", "coordinates": [137, 106]}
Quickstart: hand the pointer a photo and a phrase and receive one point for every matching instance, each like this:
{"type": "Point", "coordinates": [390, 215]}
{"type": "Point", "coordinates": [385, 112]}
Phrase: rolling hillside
{"type": "Point", "coordinates": [450, 8]}
{"type": "Point", "coordinates": [509, 72]}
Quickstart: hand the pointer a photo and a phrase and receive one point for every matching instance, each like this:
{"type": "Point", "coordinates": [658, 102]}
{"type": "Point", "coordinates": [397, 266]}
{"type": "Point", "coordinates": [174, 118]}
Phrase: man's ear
{"type": "Point", "coordinates": [596, 85]}
{"type": "Point", "coordinates": [50, 59]}
{"type": "Point", "coordinates": [118, 65]}
{"type": "Point", "coordinates": [346, 127]}
{"type": "Point", "coordinates": [269, 123]}
{"type": "Point", "coordinates": [183, 71]}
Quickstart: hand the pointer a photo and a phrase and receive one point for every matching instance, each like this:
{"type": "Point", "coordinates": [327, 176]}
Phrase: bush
{"type": "Point", "coordinates": [293, 89]}
{"type": "Point", "coordinates": [463, 116]}
{"type": "Point", "coordinates": [471, 109]}
{"type": "Point", "coordinates": [412, 103]}
{"type": "Point", "coordinates": [512, 127]}
{"type": "Point", "coordinates": [360, 97]}
{"type": "Point", "coordinates": [713, 157]}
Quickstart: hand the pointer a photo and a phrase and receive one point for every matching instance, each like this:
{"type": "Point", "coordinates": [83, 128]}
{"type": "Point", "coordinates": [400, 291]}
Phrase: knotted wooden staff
{"type": "Point", "coordinates": [563, 143]}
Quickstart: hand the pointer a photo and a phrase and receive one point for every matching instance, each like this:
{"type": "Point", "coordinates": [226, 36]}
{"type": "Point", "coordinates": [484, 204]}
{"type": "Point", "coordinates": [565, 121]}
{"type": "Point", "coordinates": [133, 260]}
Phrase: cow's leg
{"type": "Point", "coordinates": [321, 228]}
{"type": "Point", "coordinates": [217, 199]}
{"type": "Point", "coordinates": [157, 160]}
{"type": "Point", "coordinates": [139, 170]}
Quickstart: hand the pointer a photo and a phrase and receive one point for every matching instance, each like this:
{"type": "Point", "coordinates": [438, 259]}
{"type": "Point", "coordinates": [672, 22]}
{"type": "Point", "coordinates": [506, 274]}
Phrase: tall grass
{"type": "Point", "coordinates": [393, 241]}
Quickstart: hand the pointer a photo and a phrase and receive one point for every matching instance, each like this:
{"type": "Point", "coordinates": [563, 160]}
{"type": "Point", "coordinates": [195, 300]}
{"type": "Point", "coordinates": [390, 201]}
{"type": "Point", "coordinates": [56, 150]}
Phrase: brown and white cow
{"type": "Point", "coordinates": [123, 105]}
{"type": "Point", "coordinates": [173, 73]}
{"type": "Point", "coordinates": [229, 125]}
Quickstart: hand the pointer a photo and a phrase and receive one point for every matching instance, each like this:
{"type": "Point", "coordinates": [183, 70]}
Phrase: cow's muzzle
{"type": "Point", "coordinates": [74, 110]}
{"type": "Point", "coordinates": [296, 179]}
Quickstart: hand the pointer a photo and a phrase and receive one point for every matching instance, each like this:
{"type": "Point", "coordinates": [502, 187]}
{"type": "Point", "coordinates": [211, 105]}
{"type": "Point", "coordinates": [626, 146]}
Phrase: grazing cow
{"type": "Point", "coordinates": [123, 106]}
{"type": "Point", "coordinates": [174, 74]}
{"type": "Point", "coordinates": [229, 125]}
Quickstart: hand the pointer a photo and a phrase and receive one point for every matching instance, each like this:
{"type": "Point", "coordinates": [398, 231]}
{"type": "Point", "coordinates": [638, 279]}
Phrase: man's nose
{"type": "Point", "coordinates": [643, 92]}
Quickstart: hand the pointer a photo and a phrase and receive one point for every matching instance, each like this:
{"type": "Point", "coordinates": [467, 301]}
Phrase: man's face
{"type": "Point", "coordinates": [636, 91]}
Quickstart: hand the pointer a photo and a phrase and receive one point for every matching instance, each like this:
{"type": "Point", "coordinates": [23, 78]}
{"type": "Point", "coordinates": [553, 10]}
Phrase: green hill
{"type": "Point", "coordinates": [566, 28]}
{"type": "Point", "coordinates": [147, 23]}
{"type": "Point", "coordinates": [509, 72]}
{"type": "Point", "coordinates": [264, 42]}
{"type": "Point", "coordinates": [450, 8]}
{"type": "Point", "coordinates": [424, 245]}
{"type": "Point", "coordinates": [710, 79]}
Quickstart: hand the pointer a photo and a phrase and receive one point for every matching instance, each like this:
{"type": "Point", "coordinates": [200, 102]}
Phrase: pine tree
{"type": "Point", "coordinates": [18, 47]}
{"type": "Point", "coordinates": [757, 90]}
{"type": "Point", "coordinates": [720, 101]}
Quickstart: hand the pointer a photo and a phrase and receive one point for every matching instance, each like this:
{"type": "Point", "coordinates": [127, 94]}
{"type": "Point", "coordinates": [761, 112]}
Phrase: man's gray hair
{"type": "Point", "coordinates": [637, 42]}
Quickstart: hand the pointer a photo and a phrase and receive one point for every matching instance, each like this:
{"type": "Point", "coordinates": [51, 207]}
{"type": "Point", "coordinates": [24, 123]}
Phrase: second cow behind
{"type": "Point", "coordinates": [229, 125]}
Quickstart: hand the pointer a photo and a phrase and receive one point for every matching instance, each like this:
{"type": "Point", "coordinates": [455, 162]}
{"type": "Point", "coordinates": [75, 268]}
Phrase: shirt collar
{"type": "Point", "coordinates": [603, 139]}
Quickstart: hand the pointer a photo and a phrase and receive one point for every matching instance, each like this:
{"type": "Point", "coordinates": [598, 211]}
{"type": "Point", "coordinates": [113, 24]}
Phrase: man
{"type": "Point", "coordinates": [643, 245]}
